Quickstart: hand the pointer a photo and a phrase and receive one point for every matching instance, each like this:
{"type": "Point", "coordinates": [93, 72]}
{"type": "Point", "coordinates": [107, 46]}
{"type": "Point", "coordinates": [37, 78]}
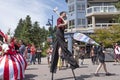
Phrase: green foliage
{"type": "Point", "coordinates": [44, 54]}
{"type": "Point", "coordinates": [107, 35]}
{"type": "Point", "coordinates": [19, 29]}
{"type": "Point", "coordinates": [117, 5]}
{"type": "Point", "coordinates": [117, 17]}
{"type": "Point", "coordinates": [31, 33]}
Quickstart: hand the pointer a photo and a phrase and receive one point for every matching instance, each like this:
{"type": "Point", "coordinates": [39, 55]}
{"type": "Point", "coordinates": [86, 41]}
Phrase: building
{"type": "Point", "coordinates": [86, 15]}
{"type": "Point", "coordinates": [77, 14]}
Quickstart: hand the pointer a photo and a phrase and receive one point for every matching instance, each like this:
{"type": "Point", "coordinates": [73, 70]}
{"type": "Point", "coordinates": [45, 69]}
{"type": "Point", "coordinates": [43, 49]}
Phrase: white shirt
{"type": "Point", "coordinates": [117, 50]}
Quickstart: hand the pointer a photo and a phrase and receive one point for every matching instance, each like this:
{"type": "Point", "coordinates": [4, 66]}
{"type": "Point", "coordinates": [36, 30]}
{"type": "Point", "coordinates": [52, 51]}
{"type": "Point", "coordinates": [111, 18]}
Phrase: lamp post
{"type": "Point", "coordinates": [50, 23]}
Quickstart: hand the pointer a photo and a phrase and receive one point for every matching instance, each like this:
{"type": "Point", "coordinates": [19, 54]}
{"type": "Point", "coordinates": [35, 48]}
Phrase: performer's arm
{"type": "Point", "coordinates": [60, 23]}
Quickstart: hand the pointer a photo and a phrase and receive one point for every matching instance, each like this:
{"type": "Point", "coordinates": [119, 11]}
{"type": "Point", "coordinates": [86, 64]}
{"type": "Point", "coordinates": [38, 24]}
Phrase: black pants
{"type": "Point", "coordinates": [93, 59]}
{"type": "Point", "coordinates": [39, 57]}
{"type": "Point", "coordinates": [60, 42]}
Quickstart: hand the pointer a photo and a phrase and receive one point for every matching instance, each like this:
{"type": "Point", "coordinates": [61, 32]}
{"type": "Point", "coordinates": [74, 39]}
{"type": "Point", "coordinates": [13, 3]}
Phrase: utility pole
{"type": "Point", "coordinates": [50, 23]}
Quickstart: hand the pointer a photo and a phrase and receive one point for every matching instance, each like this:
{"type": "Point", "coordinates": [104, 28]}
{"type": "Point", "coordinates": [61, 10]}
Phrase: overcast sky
{"type": "Point", "coordinates": [39, 10]}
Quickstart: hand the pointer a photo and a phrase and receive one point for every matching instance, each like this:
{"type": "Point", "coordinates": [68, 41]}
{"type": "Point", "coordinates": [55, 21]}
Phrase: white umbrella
{"type": "Point", "coordinates": [83, 38]}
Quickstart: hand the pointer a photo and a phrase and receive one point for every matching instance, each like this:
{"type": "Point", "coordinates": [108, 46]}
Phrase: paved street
{"type": "Point", "coordinates": [85, 72]}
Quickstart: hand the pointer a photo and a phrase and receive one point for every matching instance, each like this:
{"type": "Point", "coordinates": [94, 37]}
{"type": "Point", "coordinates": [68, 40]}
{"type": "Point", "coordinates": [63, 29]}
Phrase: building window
{"type": "Point", "coordinates": [81, 21]}
{"type": "Point", "coordinates": [80, 0]}
{"type": "Point", "coordinates": [83, 6]}
{"type": "Point", "coordinates": [70, 1]}
{"type": "Point", "coordinates": [71, 8]}
{"type": "Point", "coordinates": [72, 22]}
{"type": "Point", "coordinates": [111, 9]}
{"type": "Point", "coordinates": [97, 9]}
{"type": "Point", "coordinates": [80, 7]}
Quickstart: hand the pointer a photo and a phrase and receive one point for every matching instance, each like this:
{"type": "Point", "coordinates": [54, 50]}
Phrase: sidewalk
{"type": "Point", "coordinates": [85, 72]}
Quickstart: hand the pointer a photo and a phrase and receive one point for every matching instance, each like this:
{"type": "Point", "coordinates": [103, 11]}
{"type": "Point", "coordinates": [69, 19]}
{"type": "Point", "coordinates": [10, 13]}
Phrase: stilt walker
{"type": "Point", "coordinates": [60, 42]}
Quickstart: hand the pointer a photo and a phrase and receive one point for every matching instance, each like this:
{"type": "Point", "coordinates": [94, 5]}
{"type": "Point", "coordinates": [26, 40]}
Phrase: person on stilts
{"type": "Point", "coordinates": [60, 42]}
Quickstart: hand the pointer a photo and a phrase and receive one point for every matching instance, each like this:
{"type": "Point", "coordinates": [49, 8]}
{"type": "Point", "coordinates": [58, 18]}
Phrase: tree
{"type": "Point", "coordinates": [35, 34]}
{"type": "Point", "coordinates": [107, 35]}
{"type": "Point", "coordinates": [23, 29]}
{"type": "Point", "coordinates": [117, 5]}
{"type": "Point", "coordinates": [117, 17]}
{"type": "Point", "coordinates": [27, 29]}
{"type": "Point", "coordinates": [30, 33]}
{"type": "Point", "coordinates": [19, 29]}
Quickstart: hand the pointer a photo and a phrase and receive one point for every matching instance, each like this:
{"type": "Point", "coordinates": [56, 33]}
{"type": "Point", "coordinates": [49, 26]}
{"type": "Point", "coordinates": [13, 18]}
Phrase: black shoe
{"type": "Point", "coordinates": [96, 74]}
{"type": "Point", "coordinates": [39, 62]}
{"type": "Point", "coordinates": [108, 74]}
{"type": "Point", "coordinates": [66, 66]}
{"type": "Point", "coordinates": [81, 63]}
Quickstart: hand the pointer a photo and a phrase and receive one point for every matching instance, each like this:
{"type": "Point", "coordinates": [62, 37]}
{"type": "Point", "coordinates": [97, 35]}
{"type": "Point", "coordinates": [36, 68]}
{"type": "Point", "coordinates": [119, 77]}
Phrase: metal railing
{"type": "Point", "coordinates": [90, 27]}
{"type": "Point", "coordinates": [98, 25]}
{"type": "Point", "coordinates": [96, 9]}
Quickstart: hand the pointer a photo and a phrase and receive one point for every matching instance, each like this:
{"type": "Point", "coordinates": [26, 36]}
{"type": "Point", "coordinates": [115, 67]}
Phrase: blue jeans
{"type": "Point", "coordinates": [32, 58]}
{"type": "Point", "coordinates": [29, 56]}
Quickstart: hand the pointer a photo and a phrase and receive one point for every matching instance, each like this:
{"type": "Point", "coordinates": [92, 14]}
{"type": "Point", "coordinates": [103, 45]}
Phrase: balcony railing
{"type": "Point", "coordinates": [84, 30]}
{"type": "Point", "coordinates": [97, 9]}
{"type": "Point", "coordinates": [102, 25]}
{"type": "Point", "coordinates": [90, 28]}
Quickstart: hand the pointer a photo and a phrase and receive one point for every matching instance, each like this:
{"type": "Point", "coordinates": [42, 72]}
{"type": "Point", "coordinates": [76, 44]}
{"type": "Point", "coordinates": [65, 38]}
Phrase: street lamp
{"type": "Point", "coordinates": [50, 23]}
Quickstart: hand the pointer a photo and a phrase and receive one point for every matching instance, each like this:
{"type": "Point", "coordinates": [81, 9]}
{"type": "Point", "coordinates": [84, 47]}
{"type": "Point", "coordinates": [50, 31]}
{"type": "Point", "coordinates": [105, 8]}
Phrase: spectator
{"type": "Point", "coordinates": [82, 54]}
{"type": "Point", "coordinates": [101, 57]}
{"type": "Point", "coordinates": [117, 52]}
{"type": "Point", "coordinates": [49, 54]}
{"type": "Point", "coordinates": [22, 47]}
{"type": "Point", "coordinates": [60, 59]}
{"type": "Point", "coordinates": [16, 44]}
{"type": "Point", "coordinates": [33, 51]}
{"type": "Point", "coordinates": [39, 52]}
{"type": "Point", "coordinates": [92, 55]}
{"type": "Point", "coordinates": [76, 52]}
{"type": "Point", "coordinates": [28, 52]}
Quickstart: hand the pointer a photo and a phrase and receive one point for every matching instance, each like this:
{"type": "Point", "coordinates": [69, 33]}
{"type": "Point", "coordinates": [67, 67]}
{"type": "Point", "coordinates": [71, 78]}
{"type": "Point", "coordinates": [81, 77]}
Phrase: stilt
{"type": "Point", "coordinates": [73, 74]}
{"type": "Point", "coordinates": [52, 77]}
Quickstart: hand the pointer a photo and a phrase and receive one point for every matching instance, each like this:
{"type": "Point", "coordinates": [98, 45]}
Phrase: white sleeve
{"type": "Point", "coordinates": [119, 50]}
{"type": "Point", "coordinates": [5, 47]}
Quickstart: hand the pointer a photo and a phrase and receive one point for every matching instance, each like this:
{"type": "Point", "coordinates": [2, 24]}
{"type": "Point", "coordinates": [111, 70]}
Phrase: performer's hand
{"type": "Point", "coordinates": [66, 22]}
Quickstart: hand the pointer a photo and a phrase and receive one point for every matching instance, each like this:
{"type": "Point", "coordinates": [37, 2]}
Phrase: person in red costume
{"type": "Point", "coordinates": [12, 64]}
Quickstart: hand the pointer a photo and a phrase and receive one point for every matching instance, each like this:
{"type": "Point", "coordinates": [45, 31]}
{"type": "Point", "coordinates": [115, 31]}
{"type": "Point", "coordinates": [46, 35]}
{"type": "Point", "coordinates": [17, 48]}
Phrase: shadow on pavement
{"type": "Point", "coordinates": [83, 66]}
{"type": "Point", "coordinates": [43, 63]}
{"type": "Point", "coordinates": [103, 74]}
{"type": "Point", "coordinates": [116, 64]}
{"type": "Point", "coordinates": [29, 76]}
{"type": "Point", "coordinates": [32, 69]}
{"type": "Point", "coordinates": [82, 77]}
